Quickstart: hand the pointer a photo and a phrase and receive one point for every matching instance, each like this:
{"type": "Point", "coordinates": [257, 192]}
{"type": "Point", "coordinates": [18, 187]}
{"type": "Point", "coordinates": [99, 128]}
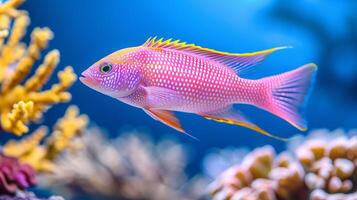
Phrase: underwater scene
{"type": "Point", "coordinates": [178, 100]}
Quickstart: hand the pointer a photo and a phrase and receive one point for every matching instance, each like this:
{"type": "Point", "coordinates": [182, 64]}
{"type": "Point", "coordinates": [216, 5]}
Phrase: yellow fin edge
{"type": "Point", "coordinates": [252, 127]}
{"type": "Point", "coordinates": [179, 45]}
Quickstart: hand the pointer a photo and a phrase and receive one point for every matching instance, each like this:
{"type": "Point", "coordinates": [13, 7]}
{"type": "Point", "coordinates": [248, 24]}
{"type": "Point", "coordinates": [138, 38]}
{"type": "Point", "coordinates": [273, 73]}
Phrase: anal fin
{"type": "Point", "coordinates": [231, 116]}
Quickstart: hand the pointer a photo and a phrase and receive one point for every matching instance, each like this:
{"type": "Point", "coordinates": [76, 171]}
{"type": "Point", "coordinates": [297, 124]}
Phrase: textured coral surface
{"type": "Point", "coordinates": [330, 162]}
{"type": "Point", "coordinates": [261, 175]}
{"type": "Point", "coordinates": [323, 166]}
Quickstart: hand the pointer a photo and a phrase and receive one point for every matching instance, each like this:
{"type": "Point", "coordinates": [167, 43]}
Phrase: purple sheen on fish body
{"type": "Point", "coordinates": [112, 78]}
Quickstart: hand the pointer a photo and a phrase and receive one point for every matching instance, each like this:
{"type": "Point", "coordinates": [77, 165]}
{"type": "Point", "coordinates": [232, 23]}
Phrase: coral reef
{"type": "Point", "coordinates": [318, 168]}
{"type": "Point", "coordinates": [128, 167]}
{"type": "Point", "coordinates": [23, 101]}
{"type": "Point", "coordinates": [40, 156]}
{"type": "Point", "coordinates": [330, 162]}
{"type": "Point", "coordinates": [21, 161]}
{"type": "Point", "coordinates": [261, 175]}
{"type": "Point", "coordinates": [15, 175]}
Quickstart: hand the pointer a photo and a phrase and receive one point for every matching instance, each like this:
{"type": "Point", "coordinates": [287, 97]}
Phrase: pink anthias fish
{"type": "Point", "coordinates": [164, 76]}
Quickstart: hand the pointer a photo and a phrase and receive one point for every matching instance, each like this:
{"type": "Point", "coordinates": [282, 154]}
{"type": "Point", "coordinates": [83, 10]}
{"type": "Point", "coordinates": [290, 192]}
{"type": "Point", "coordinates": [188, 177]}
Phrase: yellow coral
{"type": "Point", "coordinates": [16, 119]}
{"type": "Point", "coordinates": [65, 129]}
{"type": "Point", "coordinates": [22, 98]}
{"type": "Point", "coordinates": [16, 62]}
{"type": "Point", "coordinates": [41, 156]}
{"type": "Point", "coordinates": [9, 7]}
{"type": "Point", "coordinates": [19, 148]}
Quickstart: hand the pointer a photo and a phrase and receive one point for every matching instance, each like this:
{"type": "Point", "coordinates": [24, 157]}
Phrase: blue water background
{"type": "Point", "coordinates": [323, 32]}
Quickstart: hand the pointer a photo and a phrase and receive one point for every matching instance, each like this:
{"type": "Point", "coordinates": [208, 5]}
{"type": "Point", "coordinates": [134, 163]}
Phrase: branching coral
{"type": "Point", "coordinates": [22, 159]}
{"type": "Point", "coordinates": [129, 167]}
{"type": "Point", "coordinates": [23, 100]}
{"type": "Point", "coordinates": [18, 117]}
{"type": "Point", "coordinates": [21, 104]}
{"type": "Point", "coordinates": [322, 168]}
{"type": "Point", "coordinates": [41, 156]}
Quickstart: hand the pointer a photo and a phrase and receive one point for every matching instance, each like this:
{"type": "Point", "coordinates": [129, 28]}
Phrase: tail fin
{"type": "Point", "coordinates": [289, 92]}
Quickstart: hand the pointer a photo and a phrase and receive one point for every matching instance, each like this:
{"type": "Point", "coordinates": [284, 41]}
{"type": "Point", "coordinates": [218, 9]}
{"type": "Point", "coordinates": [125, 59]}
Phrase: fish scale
{"type": "Point", "coordinates": [202, 86]}
{"type": "Point", "coordinates": [162, 76]}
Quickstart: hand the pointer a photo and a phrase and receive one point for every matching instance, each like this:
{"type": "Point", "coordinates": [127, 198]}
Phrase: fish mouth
{"type": "Point", "coordinates": [87, 80]}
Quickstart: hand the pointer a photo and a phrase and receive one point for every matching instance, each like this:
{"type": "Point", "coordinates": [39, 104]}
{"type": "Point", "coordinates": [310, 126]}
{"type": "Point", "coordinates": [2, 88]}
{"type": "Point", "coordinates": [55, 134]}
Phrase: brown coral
{"type": "Point", "coordinates": [323, 168]}
{"type": "Point", "coordinates": [330, 161]}
{"type": "Point", "coordinates": [41, 156]}
{"type": "Point", "coordinates": [261, 175]}
{"type": "Point", "coordinates": [21, 104]}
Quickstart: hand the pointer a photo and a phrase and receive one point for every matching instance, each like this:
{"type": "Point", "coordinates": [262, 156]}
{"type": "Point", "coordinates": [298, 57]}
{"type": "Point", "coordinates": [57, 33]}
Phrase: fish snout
{"type": "Point", "coordinates": [87, 79]}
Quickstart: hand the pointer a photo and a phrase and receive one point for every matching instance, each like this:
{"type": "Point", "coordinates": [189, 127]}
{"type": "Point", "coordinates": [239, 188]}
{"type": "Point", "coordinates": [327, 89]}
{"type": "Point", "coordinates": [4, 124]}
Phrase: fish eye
{"type": "Point", "coordinates": [106, 68]}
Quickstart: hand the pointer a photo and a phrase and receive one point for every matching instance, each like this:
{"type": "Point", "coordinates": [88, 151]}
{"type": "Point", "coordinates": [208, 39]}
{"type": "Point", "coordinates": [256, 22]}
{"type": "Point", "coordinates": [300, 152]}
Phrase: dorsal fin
{"type": "Point", "coordinates": [237, 61]}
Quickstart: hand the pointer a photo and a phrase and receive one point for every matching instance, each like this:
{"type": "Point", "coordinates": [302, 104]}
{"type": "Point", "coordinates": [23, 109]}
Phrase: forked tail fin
{"type": "Point", "coordinates": [289, 92]}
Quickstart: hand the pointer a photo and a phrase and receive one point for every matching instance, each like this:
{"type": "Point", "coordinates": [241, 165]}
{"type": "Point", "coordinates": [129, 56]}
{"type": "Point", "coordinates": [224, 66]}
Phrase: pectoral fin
{"type": "Point", "coordinates": [231, 116]}
{"type": "Point", "coordinates": [160, 96]}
